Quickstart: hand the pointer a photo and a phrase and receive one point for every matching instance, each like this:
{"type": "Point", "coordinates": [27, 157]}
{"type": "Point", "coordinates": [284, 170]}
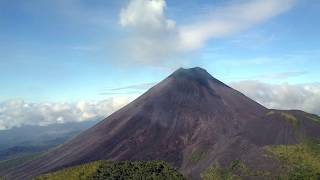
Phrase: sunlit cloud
{"type": "Point", "coordinates": [153, 37]}
{"type": "Point", "coordinates": [17, 112]}
{"type": "Point", "coordinates": [283, 96]}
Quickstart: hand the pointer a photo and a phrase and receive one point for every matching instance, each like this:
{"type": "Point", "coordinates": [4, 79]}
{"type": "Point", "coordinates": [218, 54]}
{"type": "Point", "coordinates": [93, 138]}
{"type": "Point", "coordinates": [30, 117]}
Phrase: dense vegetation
{"type": "Point", "coordinates": [101, 170]}
{"type": "Point", "coordinates": [137, 170]}
{"type": "Point", "coordinates": [297, 162]}
{"type": "Point", "coordinates": [300, 161]}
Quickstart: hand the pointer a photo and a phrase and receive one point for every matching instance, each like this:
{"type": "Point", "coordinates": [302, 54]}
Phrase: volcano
{"type": "Point", "coordinates": [190, 120]}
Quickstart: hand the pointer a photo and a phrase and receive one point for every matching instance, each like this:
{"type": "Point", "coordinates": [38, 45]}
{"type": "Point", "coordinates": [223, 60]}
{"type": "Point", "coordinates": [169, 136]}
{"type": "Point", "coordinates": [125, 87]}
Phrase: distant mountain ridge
{"type": "Point", "coordinates": [20, 144]}
{"type": "Point", "coordinates": [33, 135]}
{"type": "Point", "coordinates": [190, 120]}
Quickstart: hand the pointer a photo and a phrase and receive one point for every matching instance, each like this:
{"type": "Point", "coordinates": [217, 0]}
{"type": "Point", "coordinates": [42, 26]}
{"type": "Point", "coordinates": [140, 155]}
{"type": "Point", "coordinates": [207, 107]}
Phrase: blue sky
{"type": "Point", "coordinates": [52, 50]}
{"type": "Point", "coordinates": [72, 50]}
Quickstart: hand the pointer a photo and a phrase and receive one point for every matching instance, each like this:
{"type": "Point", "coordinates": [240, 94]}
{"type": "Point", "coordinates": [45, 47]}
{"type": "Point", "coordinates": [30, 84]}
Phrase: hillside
{"type": "Point", "coordinates": [101, 170]}
{"type": "Point", "coordinates": [194, 122]}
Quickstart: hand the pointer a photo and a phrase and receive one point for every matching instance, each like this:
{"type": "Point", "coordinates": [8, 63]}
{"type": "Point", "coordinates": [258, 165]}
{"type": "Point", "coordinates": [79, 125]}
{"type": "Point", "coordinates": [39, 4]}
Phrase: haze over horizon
{"type": "Point", "coordinates": [77, 60]}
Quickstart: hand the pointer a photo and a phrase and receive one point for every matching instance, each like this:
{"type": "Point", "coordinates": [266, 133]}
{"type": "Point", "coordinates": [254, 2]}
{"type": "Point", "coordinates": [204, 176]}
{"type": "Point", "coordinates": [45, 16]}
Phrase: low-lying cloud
{"type": "Point", "coordinates": [304, 97]}
{"type": "Point", "coordinates": [153, 37]}
{"type": "Point", "coordinates": [16, 113]}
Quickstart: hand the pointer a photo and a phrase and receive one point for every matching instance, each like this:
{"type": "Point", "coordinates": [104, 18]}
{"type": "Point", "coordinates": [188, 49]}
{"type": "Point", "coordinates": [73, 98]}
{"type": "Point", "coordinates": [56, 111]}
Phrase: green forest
{"type": "Point", "coordinates": [108, 170]}
{"type": "Point", "coordinates": [297, 162]}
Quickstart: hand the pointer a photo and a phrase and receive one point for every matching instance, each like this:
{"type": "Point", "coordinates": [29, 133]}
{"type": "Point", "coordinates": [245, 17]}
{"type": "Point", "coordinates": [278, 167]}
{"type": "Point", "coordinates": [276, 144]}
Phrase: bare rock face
{"type": "Point", "coordinates": [190, 120]}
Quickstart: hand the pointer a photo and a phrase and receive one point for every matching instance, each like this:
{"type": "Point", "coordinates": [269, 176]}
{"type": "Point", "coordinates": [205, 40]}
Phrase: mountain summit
{"type": "Point", "coordinates": [195, 74]}
{"type": "Point", "coordinates": [191, 120]}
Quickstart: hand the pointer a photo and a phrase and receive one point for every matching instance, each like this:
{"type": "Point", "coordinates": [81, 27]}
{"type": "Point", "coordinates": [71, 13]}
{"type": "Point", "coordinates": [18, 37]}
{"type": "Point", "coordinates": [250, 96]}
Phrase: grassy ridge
{"type": "Point", "coordinates": [290, 118]}
{"type": "Point", "coordinates": [99, 170]}
{"type": "Point", "coordinates": [314, 118]}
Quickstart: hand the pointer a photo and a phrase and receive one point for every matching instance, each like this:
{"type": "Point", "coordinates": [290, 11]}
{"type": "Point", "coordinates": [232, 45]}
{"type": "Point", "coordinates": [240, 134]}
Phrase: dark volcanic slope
{"type": "Point", "coordinates": [189, 113]}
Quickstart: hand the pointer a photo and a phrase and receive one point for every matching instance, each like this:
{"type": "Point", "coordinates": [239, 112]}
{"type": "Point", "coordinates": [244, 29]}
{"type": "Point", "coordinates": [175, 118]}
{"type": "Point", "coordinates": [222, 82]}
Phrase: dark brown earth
{"type": "Point", "coordinates": [188, 114]}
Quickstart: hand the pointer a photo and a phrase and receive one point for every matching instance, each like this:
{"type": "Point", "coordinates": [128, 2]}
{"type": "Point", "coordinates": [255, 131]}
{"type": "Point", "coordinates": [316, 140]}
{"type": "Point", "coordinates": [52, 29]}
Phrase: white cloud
{"type": "Point", "coordinates": [151, 34]}
{"type": "Point", "coordinates": [154, 37]}
{"type": "Point", "coordinates": [146, 14]}
{"type": "Point", "coordinates": [15, 113]}
{"type": "Point", "coordinates": [225, 21]}
{"type": "Point", "coordinates": [283, 96]}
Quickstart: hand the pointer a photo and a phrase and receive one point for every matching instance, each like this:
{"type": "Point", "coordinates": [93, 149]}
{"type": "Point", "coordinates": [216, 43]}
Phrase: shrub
{"type": "Point", "coordinates": [153, 170]}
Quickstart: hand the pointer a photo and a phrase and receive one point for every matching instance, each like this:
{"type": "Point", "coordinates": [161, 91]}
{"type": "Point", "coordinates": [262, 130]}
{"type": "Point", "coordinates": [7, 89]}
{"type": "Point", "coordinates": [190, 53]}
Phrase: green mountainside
{"type": "Point", "coordinates": [101, 170]}
{"type": "Point", "coordinates": [297, 162]}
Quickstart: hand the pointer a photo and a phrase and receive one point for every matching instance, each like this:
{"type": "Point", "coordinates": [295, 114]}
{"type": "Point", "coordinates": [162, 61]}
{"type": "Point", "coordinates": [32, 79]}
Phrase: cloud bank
{"type": "Point", "coordinates": [304, 97]}
{"type": "Point", "coordinates": [152, 36]}
{"type": "Point", "coordinates": [16, 113]}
